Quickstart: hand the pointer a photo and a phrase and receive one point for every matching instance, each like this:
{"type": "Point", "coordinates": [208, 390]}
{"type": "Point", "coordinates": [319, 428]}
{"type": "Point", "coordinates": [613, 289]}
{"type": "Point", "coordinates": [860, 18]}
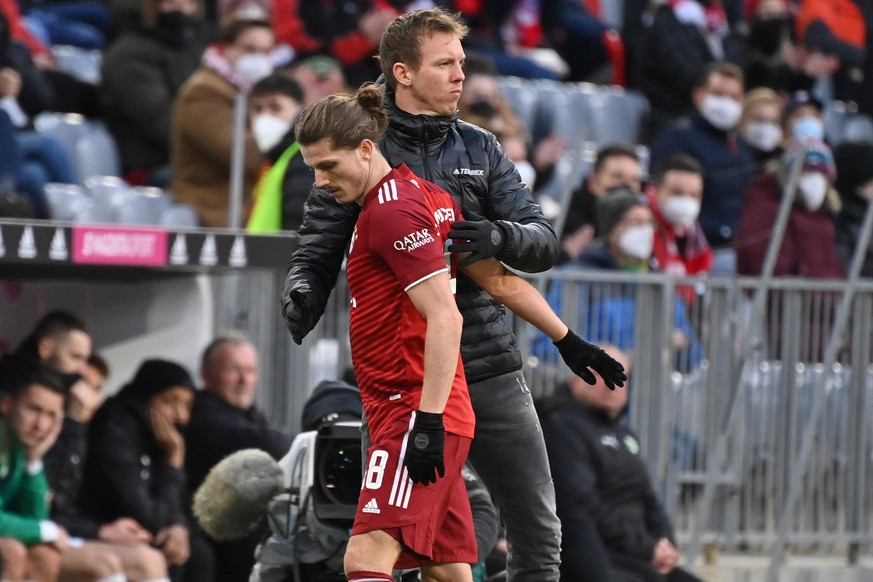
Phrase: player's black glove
{"type": "Point", "coordinates": [424, 451]}
{"type": "Point", "coordinates": [484, 238]}
{"type": "Point", "coordinates": [580, 355]}
{"type": "Point", "coordinates": [300, 314]}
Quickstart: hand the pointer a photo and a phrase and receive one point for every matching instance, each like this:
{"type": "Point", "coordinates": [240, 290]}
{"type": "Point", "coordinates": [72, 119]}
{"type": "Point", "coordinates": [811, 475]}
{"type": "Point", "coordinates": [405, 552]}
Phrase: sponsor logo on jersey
{"type": "Point", "coordinates": [468, 172]}
{"type": "Point", "coordinates": [371, 507]}
{"type": "Point", "coordinates": [414, 240]}
{"type": "Point", "coordinates": [441, 215]}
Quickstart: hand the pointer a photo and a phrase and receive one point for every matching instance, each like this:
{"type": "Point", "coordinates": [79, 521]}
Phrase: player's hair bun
{"type": "Point", "coordinates": [370, 97]}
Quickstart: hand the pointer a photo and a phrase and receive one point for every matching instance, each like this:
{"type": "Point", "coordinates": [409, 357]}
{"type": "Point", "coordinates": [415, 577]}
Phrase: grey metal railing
{"type": "Point", "coordinates": [688, 338]}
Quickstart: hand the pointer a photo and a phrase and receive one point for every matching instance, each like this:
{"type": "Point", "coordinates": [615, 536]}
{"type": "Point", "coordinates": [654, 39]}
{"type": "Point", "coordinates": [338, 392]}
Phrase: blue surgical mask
{"type": "Point", "coordinates": [808, 128]}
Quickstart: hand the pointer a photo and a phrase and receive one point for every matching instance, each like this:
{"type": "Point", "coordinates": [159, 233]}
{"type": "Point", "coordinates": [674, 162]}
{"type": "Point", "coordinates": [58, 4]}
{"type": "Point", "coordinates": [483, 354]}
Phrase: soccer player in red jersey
{"type": "Point", "coordinates": [405, 333]}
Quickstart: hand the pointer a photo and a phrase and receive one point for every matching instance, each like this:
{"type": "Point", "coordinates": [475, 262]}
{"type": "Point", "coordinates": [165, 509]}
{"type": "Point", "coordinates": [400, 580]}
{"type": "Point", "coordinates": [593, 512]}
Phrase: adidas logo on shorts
{"type": "Point", "coordinates": [371, 507]}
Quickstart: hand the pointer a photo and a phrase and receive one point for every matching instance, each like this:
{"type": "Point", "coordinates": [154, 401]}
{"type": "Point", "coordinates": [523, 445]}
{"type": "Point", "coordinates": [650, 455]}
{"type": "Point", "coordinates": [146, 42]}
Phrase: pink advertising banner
{"type": "Point", "coordinates": [119, 246]}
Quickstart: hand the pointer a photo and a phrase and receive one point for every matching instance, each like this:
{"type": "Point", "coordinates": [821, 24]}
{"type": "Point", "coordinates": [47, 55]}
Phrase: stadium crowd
{"type": "Point", "coordinates": [746, 88]}
{"type": "Point", "coordinates": [741, 100]}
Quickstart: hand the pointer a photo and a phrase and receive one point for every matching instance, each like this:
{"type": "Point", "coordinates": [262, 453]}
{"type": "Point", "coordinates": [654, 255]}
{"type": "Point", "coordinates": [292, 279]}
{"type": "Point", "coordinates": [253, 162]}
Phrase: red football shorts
{"type": "Point", "coordinates": [434, 524]}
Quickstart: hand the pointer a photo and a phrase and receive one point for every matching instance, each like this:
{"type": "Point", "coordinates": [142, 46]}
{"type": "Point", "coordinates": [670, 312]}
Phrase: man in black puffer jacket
{"type": "Point", "coordinates": [615, 527]}
{"type": "Point", "coordinates": [424, 80]}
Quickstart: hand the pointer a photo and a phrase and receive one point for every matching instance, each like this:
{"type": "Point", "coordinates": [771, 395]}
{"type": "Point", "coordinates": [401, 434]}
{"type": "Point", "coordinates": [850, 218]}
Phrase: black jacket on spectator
{"type": "Point", "coordinates": [65, 470]}
{"type": "Point", "coordinates": [218, 429]}
{"type": "Point", "coordinates": [37, 93]}
{"type": "Point", "coordinates": [601, 482]}
{"type": "Point", "coordinates": [674, 55]}
{"type": "Point", "coordinates": [45, 89]}
{"type": "Point", "coordinates": [466, 161]}
{"type": "Point", "coordinates": [127, 473]}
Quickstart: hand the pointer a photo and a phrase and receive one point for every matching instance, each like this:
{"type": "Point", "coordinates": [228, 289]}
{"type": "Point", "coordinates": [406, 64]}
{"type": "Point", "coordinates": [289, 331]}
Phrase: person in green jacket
{"type": "Point", "coordinates": [31, 544]}
{"type": "Point", "coordinates": [285, 180]}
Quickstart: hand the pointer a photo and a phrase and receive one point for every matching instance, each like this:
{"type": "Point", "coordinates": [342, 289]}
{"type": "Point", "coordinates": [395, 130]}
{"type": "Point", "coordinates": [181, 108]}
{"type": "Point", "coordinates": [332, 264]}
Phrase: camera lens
{"type": "Point", "coordinates": [340, 471]}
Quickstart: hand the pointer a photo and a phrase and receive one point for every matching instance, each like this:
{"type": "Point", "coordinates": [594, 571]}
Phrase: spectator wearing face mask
{"type": "Point", "coordinates": [202, 128]}
{"type": "Point", "coordinates": [616, 165]}
{"type": "Point", "coordinates": [761, 124]}
{"type": "Point", "coordinates": [608, 312]}
{"type": "Point", "coordinates": [685, 37]}
{"type": "Point", "coordinates": [142, 72]}
{"type": "Point", "coordinates": [809, 246]}
{"type": "Point", "coordinates": [855, 185]}
{"type": "Point", "coordinates": [680, 247]}
{"type": "Point", "coordinates": [710, 137]}
{"type": "Point", "coordinates": [802, 118]}
{"type": "Point", "coordinates": [285, 181]}
{"type": "Point", "coordinates": [772, 51]}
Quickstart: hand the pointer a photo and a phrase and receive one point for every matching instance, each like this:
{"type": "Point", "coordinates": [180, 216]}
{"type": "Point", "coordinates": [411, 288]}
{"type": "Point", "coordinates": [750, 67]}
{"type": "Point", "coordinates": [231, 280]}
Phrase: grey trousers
{"type": "Point", "coordinates": [509, 454]}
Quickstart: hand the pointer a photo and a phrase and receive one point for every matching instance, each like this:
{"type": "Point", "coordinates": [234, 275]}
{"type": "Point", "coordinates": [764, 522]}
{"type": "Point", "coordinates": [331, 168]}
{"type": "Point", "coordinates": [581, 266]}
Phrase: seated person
{"type": "Point", "coordinates": [761, 124]}
{"type": "Point", "coordinates": [607, 311]}
{"type": "Point", "coordinates": [143, 70]}
{"type": "Point", "coordinates": [612, 522]}
{"type": "Point", "coordinates": [809, 246]}
{"type": "Point", "coordinates": [680, 247]}
{"type": "Point", "coordinates": [30, 544]}
{"type": "Point", "coordinates": [616, 165]}
{"type": "Point", "coordinates": [135, 465]}
{"type": "Point", "coordinates": [224, 420]}
{"type": "Point", "coordinates": [59, 344]}
{"type": "Point", "coordinates": [285, 180]}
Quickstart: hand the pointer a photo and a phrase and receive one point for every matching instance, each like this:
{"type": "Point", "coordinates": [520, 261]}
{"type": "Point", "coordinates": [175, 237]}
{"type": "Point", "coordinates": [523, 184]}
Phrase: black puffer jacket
{"type": "Point", "coordinates": [127, 473]}
{"type": "Point", "coordinates": [467, 161]}
{"type": "Point", "coordinates": [600, 477]}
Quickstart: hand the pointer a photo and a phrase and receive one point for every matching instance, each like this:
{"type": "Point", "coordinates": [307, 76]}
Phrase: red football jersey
{"type": "Point", "coordinates": [398, 242]}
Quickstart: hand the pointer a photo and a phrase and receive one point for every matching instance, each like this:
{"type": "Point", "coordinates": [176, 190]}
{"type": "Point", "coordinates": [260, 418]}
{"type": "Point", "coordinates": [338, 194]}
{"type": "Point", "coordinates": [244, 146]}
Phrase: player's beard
{"type": "Point", "coordinates": [363, 182]}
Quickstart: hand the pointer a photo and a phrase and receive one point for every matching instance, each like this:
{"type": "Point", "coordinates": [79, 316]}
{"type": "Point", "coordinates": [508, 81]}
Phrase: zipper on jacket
{"type": "Point", "coordinates": [424, 161]}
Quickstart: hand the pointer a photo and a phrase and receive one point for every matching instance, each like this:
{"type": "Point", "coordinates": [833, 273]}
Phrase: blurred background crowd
{"type": "Point", "coordinates": [122, 112]}
{"type": "Point", "coordinates": [656, 135]}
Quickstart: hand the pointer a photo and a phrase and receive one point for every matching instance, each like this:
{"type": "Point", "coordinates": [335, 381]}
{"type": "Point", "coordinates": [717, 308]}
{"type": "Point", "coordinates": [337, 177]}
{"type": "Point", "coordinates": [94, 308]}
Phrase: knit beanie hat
{"type": "Point", "coordinates": [816, 154]}
{"type": "Point", "coordinates": [613, 205]}
{"type": "Point", "coordinates": [854, 162]}
{"type": "Point", "coordinates": [331, 397]}
{"type": "Point", "coordinates": [155, 376]}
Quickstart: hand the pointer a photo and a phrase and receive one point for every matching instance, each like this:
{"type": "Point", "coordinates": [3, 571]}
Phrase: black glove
{"type": "Point", "coordinates": [300, 315]}
{"type": "Point", "coordinates": [424, 450]}
{"type": "Point", "coordinates": [486, 239]}
{"type": "Point", "coordinates": [579, 355]}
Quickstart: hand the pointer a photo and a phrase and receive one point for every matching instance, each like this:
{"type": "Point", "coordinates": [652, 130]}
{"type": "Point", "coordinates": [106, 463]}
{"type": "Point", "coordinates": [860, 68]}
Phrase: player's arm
{"type": "Point", "coordinates": [526, 302]}
{"type": "Point", "coordinates": [434, 301]}
{"type": "Point", "coordinates": [442, 343]}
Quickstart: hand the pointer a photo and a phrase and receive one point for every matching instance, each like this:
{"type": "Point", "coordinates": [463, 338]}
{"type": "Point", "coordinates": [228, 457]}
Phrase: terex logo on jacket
{"type": "Point", "coordinates": [468, 172]}
{"type": "Point", "coordinates": [414, 240]}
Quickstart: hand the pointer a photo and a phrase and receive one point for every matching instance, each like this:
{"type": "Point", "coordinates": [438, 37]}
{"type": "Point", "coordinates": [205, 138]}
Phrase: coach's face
{"type": "Point", "coordinates": [434, 88]}
{"type": "Point", "coordinates": [344, 173]}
